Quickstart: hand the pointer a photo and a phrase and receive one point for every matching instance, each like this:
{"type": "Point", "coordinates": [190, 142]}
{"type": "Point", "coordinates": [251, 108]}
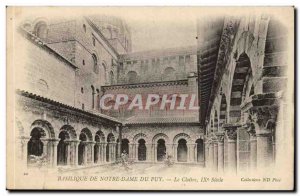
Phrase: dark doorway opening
{"type": "Point", "coordinates": [182, 151]}
{"type": "Point", "coordinates": [161, 150]}
{"type": "Point", "coordinates": [142, 150]}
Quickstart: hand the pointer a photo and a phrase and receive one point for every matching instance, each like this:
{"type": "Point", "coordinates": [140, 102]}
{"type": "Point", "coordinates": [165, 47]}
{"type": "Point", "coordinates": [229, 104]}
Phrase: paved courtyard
{"type": "Point", "coordinates": [140, 169]}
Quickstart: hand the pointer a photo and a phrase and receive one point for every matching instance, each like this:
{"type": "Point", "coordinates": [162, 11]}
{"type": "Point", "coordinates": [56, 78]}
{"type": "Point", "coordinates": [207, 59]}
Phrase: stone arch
{"type": "Point", "coordinates": [88, 134]}
{"type": "Point", "coordinates": [139, 136]}
{"type": "Point", "coordinates": [69, 130]}
{"type": "Point", "coordinates": [103, 72]}
{"type": "Point", "coordinates": [223, 110]}
{"type": "Point", "coordinates": [160, 136]}
{"type": "Point", "coordinates": [99, 136]}
{"type": "Point", "coordinates": [95, 63]}
{"type": "Point", "coordinates": [46, 126]}
{"type": "Point", "coordinates": [132, 76]}
{"type": "Point", "coordinates": [239, 81]}
{"type": "Point", "coordinates": [169, 73]}
{"type": "Point", "coordinates": [182, 136]}
{"type": "Point", "coordinates": [216, 121]}
{"type": "Point", "coordinates": [110, 138]}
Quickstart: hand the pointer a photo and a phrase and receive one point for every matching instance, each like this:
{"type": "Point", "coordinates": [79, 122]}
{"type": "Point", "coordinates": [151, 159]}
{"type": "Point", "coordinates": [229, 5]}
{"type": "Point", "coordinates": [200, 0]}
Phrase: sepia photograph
{"type": "Point", "coordinates": [150, 98]}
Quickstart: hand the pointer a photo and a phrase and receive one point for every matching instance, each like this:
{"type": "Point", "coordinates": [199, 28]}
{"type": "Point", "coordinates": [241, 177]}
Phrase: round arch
{"type": "Point", "coordinates": [160, 136]}
{"type": "Point", "coordinates": [241, 74]}
{"type": "Point", "coordinates": [46, 126]}
{"type": "Point", "coordinates": [182, 136]}
{"type": "Point", "coordinates": [139, 136]}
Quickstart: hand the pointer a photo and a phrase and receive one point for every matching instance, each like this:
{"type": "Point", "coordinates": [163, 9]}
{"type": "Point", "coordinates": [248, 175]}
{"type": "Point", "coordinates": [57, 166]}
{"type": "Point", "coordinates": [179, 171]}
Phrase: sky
{"type": "Point", "coordinates": [155, 34]}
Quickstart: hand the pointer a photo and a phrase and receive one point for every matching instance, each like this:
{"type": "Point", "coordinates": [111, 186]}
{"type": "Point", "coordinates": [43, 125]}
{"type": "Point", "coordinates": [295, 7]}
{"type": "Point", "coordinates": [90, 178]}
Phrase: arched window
{"type": "Point", "coordinates": [169, 74]}
{"type": "Point", "coordinates": [103, 73]}
{"type": "Point", "coordinates": [111, 76]}
{"type": "Point", "coordinates": [84, 27]}
{"type": "Point", "coordinates": [93, 97]}
{"type": "Point", "coordinates": [132, 77]}
{"type": "Point", "coordinates": [95, 62]}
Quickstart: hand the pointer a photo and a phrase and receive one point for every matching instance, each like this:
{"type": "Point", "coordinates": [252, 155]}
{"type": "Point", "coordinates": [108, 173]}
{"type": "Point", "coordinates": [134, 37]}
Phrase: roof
{"type": "Point", "coordinates": [161, 53]}
{"type": "Point", "coordinates": [39, 42]}
{"type": "Point", "coordinates": [162, 120]}
{"type": "Point", "coordinates": [65, 106]}
{"type": "Point", "coordinates": [146, 84]}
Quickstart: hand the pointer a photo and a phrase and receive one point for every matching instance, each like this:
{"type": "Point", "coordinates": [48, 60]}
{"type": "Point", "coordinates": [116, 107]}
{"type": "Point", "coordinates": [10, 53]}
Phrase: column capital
{"type": "Point", "coordinates": [231, 130]}
{"type": "Point", "coordinates": [262, 110]}
{"type": "Point", "coordinates": [220, 136]}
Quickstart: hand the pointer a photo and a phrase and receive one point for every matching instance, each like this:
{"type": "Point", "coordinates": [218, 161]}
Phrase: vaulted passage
{"type": "Point", "coordinates": [62, 150]}
{"type": "Point", "coordinates": [200, 149]}
{"type": "Point", "coordinates": [161, 150]}
{"type": "Point", "coordinates": [240, 78]}
{"type": "Point", "coordinates": [182, 151]}
{"type": "Point", "coordinates": [82, 148]}
{"type": "Point", "coordinates": [142, 150]}
{"type": "Point", "coordinates": [35, 145]}
{"type": "Point", "coordinates": [125, 146]}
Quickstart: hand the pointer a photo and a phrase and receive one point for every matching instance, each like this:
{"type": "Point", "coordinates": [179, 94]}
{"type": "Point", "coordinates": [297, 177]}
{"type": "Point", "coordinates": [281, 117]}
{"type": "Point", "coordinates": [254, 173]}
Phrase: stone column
{"type": "Point", "coordinates": [119, 130]}
{"type": "Point", "coordinates": [231, 133]}
{"type": "Point", "coordinates": [76, 144]}
{"type": "Point", "coordinates": [253, 148]}
{"type": "Point", "coordinates": [85, 153]}
{"type": "Point", "coordinates": [54, 156]}
{"type": "Point", "coordinates": [263, 110]}
{"type": "Point", "coordinates": [92, 144]}
{"type": "Point", "coordinates": [220, 137]}
{"type": "Point", "coordinates": [175, 152]}
{"type": "Point", "coordinates": [206, 153]}
{"type": "Point", "coordinates": [46, 150]}
{"type": "Point", "coordinates": [215, 165]}
{"type": "Point", "coordinates": [148, 152]}
{"type": "Point", "coordinates": [103, 146]}
{"type": "Point", "coordinates": [264, 152]}
{"type": "Point", "coordinates": [210, 155]}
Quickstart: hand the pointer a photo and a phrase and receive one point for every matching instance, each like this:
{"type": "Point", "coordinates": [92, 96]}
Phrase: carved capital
{"type": "Point", "coordinates": [220, 136]}
{"type": "Point", "coordinates": [231, 130]}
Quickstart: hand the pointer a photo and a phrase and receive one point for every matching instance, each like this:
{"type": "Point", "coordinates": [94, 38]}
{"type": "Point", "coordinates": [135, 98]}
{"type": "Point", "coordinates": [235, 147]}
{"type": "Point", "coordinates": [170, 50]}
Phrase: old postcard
{"type": "Point", "coordinates": [150, 98]}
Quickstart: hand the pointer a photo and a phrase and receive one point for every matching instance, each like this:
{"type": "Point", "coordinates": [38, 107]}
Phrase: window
{"type": "Point", "coordinates": [95, 61]}
{"type": "Point", "coordinates": [181, 60]}
{"type": "Point", "coordinates": [84, 28]}
{"type": "Point", "coordinates": [83, 62]}
{"type": "Point", "coordinates": [82, 90]}
{"type": "Point", "coordinates": [93, 97]}
{"type": "Point", "coordinates": [82, 106]}
{"type": "Point", "coordinates": [187, 59]}
{"type": "Point", "coordinates": [94, 41]}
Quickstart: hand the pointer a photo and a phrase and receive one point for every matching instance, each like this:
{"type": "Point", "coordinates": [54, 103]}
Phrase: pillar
{"type": "Point", "coordinates": [253, 149]}
{"type": "Point", "coordinates": [92, 144]}
{"type": "Point", "coordinates": [76, 144]}
{"type": "Point", "coordinates": [264, 150]}
{"type": "Point", "coordinates": [215, 165]}
{"type": "Point", "coordinates": [206, 153]}
{"type": "Point", "coordinates": [231, 133]}
{"type": "Point", "coordinates": [220, 137]}
{"type": "Point", "coordinates": [210, 155]}
{"type": "Point", "coordinates": [54, 157]}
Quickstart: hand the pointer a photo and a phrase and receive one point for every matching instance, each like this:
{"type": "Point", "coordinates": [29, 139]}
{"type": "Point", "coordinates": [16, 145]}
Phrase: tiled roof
{"type": "Point", "coordinates": [50, 101]}
{"type": "Point", "coordinates": [161, 120]}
